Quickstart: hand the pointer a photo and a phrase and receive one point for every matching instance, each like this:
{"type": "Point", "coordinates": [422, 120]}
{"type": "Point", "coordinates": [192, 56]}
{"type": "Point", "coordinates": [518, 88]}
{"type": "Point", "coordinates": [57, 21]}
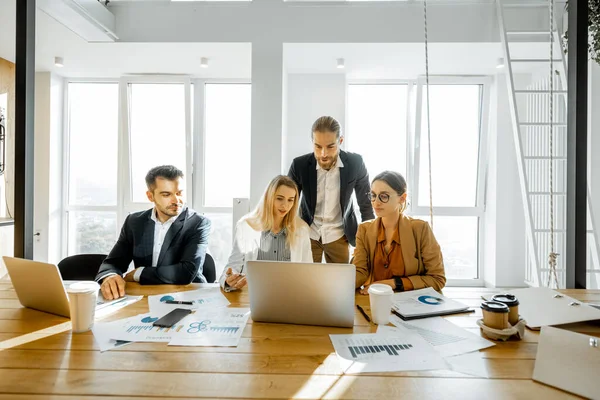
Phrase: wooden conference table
{"type": "Point", "coordinates": [41, 358]}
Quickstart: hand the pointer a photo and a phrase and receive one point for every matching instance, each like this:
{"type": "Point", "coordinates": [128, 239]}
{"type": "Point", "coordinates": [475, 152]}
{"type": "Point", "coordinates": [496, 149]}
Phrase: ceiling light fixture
{"type": "Point", "coordinates": [59, 62]}
{"type": "Point", "coordinates": [500, 63]}
{"type": "Point", "coordinates": [340, 63]}
{"type": "Point", "coordinates": [204, 62]}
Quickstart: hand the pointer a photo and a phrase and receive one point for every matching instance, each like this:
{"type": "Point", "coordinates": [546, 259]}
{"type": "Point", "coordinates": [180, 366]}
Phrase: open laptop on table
{"type": "Point", "coordinates": [301, 293]}
{"type": "Point", "coordinates": [40, 286]}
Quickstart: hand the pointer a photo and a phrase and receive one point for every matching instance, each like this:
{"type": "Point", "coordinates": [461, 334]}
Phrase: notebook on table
{"type": "Point", "coordinates": [424, 303]}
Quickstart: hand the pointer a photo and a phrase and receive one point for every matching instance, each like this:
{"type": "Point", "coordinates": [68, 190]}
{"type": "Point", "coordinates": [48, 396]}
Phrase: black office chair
{"type": "Point", "coordinates": [81, 267]}
{"type": "Point", "coordinates": [209, 270]}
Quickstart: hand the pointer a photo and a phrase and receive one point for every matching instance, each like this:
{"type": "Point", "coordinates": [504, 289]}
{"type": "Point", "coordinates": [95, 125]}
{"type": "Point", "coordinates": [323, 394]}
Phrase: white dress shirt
{"type": "Point", "coordinates": [328, 224]}
{"type": "Point", "coordinates": [160, 231]}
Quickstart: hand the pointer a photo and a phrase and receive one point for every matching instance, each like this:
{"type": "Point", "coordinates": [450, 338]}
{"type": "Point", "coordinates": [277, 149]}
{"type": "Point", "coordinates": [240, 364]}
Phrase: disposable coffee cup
{"type": "Point", "coordinates": [83, 297]}
{"type": "Point", "coordinates": [513, 306]}
{"type": "Point", "coordinates": [495, 315]}
{"type": "Point", "coordinates": [380, 297]}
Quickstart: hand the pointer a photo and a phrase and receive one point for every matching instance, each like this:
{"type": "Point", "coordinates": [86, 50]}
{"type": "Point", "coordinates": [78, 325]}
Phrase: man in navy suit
{"type": "Point", "coordinates": [166, 243]}
{"type": "Point", "coordinates": [326, 178]}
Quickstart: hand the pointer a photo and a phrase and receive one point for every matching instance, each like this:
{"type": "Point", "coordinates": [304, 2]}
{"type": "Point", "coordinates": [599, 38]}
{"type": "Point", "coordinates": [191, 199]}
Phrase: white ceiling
{"type": "Point", "coordinates": [83, 59]}
{"type": "Point", "coordinates": [233, 60]}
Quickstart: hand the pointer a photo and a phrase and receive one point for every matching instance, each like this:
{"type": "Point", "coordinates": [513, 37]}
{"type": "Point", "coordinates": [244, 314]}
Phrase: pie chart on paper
{"type": "Point", "coordinates": [430, 300]}
{"type": "Point", "coordinates": [166, 298]}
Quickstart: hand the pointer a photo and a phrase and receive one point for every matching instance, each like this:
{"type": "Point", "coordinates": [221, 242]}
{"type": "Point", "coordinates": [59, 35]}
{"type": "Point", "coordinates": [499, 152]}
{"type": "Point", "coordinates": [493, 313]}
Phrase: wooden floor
{"type": "Point", "coordinates": [41, 358]}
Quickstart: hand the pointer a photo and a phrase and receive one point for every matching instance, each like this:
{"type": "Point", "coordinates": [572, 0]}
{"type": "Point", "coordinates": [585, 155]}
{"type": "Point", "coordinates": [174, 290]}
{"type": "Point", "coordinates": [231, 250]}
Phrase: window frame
{"type": "Point", "coordinates": [67, 208]}
{"type": "Point", "coordinates": [414, 133]}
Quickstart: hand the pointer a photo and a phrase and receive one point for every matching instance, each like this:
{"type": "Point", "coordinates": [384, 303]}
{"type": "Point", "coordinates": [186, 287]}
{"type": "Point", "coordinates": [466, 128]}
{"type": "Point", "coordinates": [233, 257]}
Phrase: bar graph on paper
{"type": "Point", "coordinates": [366, 348]}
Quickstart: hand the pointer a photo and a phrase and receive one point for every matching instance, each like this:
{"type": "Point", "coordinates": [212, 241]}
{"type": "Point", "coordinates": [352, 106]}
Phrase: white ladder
{"type": "Point", "coordinates": [529, 96]}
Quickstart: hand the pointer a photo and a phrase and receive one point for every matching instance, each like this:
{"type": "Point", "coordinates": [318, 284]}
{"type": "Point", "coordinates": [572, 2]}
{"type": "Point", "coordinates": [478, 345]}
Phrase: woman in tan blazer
{"type": "Point", "coordinates": [395, 249]}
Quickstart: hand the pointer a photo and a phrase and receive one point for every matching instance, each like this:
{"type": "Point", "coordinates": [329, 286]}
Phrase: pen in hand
{"type": "Point", "coordinates": [188, 303]}
{"type": "Point", "coordinates": [363, 313]}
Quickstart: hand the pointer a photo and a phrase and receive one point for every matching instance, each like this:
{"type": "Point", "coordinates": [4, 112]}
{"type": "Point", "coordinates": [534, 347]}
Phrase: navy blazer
{"type": "Point", "coordinates": [353, 177]}
{"type": "Point", "coordinates": [181, 256]}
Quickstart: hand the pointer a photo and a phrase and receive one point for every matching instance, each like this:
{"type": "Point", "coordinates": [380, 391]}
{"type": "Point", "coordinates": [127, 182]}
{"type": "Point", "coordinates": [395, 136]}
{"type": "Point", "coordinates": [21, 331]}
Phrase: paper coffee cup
{"type": "Point", "coordinates": [380, 297]}
{"type": "Point", "coordinates": [83, 297]}
{"type": "Point", "coordinates": [513, 306]}
{"type": "Point", "coordinates": [495, 315]}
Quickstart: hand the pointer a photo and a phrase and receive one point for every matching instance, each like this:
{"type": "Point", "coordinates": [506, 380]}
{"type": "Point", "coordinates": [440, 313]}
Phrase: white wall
{"type": "Point", "coordinates": [47, 166]}
{"type": "Point", "coordinates": [308, 98]}
{"type": "Point", "coordinates": [508, 224]}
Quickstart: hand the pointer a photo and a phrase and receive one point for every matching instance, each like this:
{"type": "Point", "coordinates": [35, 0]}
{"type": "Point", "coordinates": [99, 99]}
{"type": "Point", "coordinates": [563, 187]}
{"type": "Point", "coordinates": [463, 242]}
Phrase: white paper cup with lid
{"type": "Point", "coordinates": [83, 297]}
{"type": "Point", "coordinates": [380, 297]}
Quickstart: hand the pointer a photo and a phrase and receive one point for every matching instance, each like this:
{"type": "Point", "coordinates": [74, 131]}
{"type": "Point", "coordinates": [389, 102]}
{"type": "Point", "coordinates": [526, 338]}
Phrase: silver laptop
{"type": "Point", "coordinates": [40, 286]}
{"type": "Point", "coordinates": [301, 293]}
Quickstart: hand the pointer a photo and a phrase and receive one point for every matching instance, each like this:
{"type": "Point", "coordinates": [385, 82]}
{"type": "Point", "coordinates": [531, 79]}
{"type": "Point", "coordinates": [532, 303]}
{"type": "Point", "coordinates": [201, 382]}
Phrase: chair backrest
{"type": "Point", "coordinates": [81, 267]}
{"type": "Point", "coordinates": [209, 270]}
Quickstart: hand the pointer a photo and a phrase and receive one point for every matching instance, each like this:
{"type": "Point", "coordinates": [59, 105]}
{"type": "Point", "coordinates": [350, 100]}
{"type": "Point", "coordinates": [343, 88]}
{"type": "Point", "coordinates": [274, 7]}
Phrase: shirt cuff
{"type": "Point", "coordinates": [137, 274]}
{"type": "Point", "coordinates": [99, 280]}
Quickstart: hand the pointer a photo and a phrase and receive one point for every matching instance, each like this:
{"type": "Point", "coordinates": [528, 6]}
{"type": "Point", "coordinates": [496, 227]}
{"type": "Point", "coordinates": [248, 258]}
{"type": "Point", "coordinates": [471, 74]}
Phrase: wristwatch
{"type": "Point", "coordinates": [399, 284]}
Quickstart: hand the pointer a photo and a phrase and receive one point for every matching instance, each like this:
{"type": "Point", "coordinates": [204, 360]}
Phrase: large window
{"type": "Point", "coordinates": [227, 144]}
{"type": "Point", "coordinates": [203, 128]}
{"type": "Point", "coordinates": [91, 192]}
{"type": "Point", "coordinates": [157, 131]}
{"type": "Point", "coordinates": [387, 125]}
{"type": "Point", "coordinates": [222, 157]}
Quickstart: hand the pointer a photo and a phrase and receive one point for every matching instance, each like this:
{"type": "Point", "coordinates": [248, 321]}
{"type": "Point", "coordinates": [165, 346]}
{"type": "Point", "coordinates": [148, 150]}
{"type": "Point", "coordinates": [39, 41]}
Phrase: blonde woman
{"type": "Point", "coordinates": [395, 249]}
{"type": "Point", "coordinates": [273, 231]}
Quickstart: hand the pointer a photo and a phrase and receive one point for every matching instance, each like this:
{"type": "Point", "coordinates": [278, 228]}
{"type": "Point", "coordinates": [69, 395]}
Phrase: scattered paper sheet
{"type": "Point", "coordinates": [383, 352]}
{"type": "Point", "coordinates": [210, 297]}
{"type": "Point", "coordinates": [107, 307]}
{"type": "Point", "coordinates": [447, 338]}
{"type": "Point", "coordinates": [470, 364]}
{"type": "Point", "coordinates": [222, 327]}
{"type": "Point", "coordinates": [103, 331]}
{"type": "Point", "coordinates": [140, 329]}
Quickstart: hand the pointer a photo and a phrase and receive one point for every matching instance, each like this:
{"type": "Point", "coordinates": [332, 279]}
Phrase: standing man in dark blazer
{"type": "Point", "coordinates": [166, 243]}
{"type": "Point", "coordinates": [326, 178]}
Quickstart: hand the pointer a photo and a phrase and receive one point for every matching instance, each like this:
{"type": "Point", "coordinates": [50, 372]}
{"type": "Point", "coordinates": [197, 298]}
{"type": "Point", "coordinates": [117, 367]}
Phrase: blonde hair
{"type": "Point", "coordinates": [262, 218]}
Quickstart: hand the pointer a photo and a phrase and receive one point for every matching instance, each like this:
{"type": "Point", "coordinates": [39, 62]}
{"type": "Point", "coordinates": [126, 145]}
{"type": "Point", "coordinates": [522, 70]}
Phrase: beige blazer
{"type": "Point", "coordinates": [423, 261]}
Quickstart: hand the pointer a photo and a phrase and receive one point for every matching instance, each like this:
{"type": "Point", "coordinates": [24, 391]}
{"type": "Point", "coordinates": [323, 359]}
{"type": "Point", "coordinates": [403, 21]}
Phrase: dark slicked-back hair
{"type": "Point", "coordinates": [168, 172]}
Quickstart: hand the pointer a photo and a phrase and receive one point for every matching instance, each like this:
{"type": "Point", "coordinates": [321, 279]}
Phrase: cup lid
{"type": "Point", "coordinates": [380, 289]}
{"type": "Point", "coordinates": [507, 298]}
{"type": "Point", "coordinates": [83, 287]}
{"type": "Point", "coordinates": [494, 306]}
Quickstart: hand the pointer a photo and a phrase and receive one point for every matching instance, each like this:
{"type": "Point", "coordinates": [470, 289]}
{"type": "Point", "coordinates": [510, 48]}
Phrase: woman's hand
{"type": "Point", "coordinates": [389, 282]}
{"type": "Point", "coordinates": [235, 281]}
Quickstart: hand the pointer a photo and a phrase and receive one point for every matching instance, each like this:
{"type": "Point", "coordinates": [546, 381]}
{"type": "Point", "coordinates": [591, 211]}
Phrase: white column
{"type": "Point", "coordinates": [267, 109]}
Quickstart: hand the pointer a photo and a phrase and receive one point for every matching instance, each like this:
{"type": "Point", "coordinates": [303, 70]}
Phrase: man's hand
{"type": "Point", "coordinates": [235, 281]}
{"type": "Point", "coordinates": [113, 287]}
{"type": "Point", "coordinates": [129, 275]}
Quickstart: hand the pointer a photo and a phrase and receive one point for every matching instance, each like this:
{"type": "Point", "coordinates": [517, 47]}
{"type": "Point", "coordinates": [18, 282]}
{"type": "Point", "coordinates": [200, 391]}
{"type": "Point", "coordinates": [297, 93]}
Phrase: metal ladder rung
{"type": "Point", "coordinates": [547, 193]}
{"type": "Point", "coordinates": [535, 60]}
{"type": "Point", "coordinates": [558, 231]}
{"type": "Point", "coordinates": [529, 32]}
{"type": "Point", "coordinates": [543, 158]}
{"type": "Point", "coordinates": [542, 124]}
{"type": "Point", "coordinates": [540, 91]}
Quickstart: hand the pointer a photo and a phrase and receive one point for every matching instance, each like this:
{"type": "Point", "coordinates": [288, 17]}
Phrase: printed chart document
{"type": "Point", "coordinates": [210, 297]}
{"type": "Point", "coordinates": [381, 352]}
{"type": "Point", "coordinates": [140, 329]}
{"type": "Point", "coordinates": [106, 307]}
{"type": "Point", "coordinates": [222, 327]}
{"type": "Point", "coordinates": [424, 303]}
{"type": "Point", "coordinates": [103, 334]}
{"type": "Point", "coordinates": [447, 338]}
